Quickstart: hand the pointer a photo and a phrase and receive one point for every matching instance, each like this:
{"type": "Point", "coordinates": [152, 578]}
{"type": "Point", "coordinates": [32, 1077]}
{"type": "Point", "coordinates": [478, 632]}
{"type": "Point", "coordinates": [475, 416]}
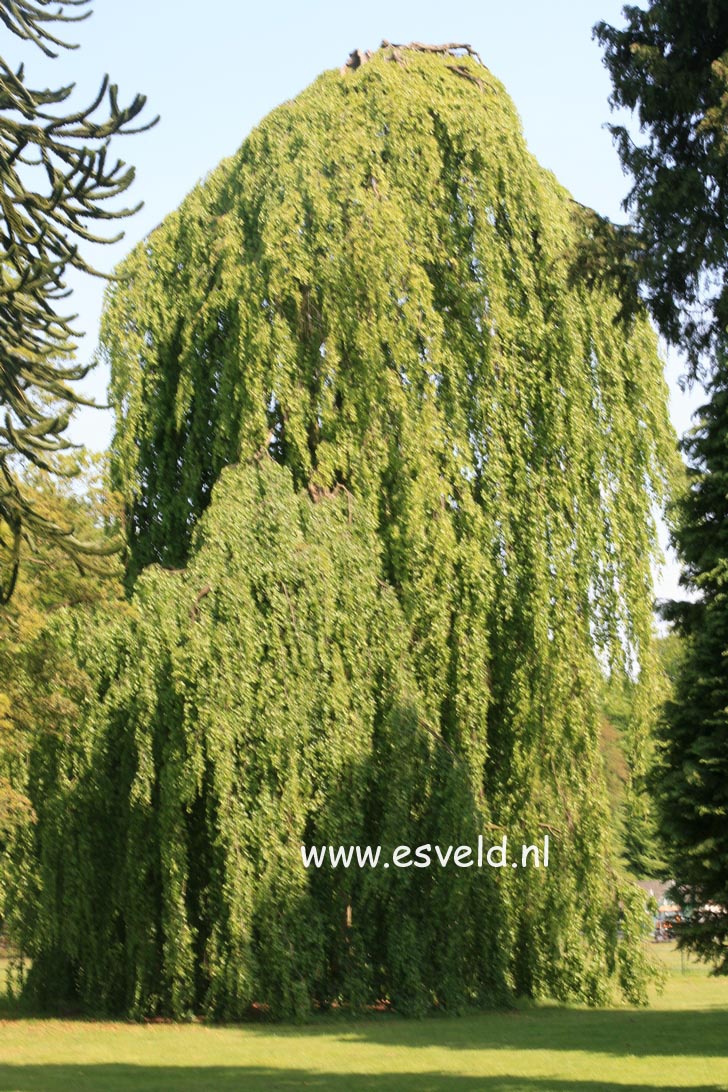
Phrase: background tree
{"type": "Point", "coordinates": [670, 65]}
{"type": "Point", "coordinates": [64, 154]}
{"type": "Point", "coordinates": [40, 684]}
{"type": "Point", "coordinates": [692, 780]}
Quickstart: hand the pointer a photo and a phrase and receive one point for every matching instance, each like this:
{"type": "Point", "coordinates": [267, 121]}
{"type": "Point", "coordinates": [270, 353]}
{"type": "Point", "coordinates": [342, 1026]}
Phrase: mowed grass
{"type": "Point", "coordinates": [681, 1042]}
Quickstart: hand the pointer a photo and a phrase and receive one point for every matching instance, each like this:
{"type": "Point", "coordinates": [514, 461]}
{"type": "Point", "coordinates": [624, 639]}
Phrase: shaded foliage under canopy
{"type": "Point", "coordinates": [40, 679]}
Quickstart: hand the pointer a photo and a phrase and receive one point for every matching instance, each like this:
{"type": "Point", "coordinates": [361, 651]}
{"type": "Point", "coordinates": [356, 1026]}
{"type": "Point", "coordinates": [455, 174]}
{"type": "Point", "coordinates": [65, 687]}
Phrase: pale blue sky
{"type": "Point", "coordinates": [213, 70]}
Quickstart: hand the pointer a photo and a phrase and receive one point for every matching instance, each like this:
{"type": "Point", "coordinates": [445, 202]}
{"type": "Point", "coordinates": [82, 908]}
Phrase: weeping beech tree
{"type": "Point", "coordinates": [390, 470]}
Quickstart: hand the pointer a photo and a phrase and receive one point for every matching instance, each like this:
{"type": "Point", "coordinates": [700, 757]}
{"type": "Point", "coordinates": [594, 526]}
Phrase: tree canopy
{"type": "Point", "coordinates": [56, 183]}
{"type": "Point", "coordinates": [405, 465]}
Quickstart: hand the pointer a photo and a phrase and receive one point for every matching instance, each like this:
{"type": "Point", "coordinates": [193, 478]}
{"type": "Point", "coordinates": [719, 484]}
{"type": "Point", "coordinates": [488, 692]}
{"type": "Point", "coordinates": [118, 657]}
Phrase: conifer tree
{"type": "Point", "coordinates": [670, 65]}
{"type": "Point", "coordinates": [56, 182]}
{"type": "Point", "coordinates": [692, 781]}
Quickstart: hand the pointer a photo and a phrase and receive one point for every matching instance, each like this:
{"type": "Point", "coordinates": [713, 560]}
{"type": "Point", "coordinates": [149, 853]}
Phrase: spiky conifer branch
{"type": "Point", "coordinates": [56, 179]}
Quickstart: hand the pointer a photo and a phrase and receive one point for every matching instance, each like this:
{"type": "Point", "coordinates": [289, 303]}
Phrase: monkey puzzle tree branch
{"type": "Point", "coordinates": [56, 182]}
{"type": "Point", "coordinates": [27, 19]}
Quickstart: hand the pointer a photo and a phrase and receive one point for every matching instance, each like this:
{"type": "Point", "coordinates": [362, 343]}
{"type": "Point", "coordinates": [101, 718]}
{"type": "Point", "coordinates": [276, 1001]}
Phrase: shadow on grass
{"type": "Point", "coordinates": [609, 1032]}
{"type": "Point", "coordinates": [113, 1078]}
{"type": "Point", "coordinates": [623, 1032]}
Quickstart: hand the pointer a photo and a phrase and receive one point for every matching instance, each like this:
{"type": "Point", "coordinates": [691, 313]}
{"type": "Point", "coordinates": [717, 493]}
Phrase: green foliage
{"type": "Point", "coordinates": [262, 699]}
{"type": "Point", "coordinates": [259, 700]}
{"type": "Point", "coordinates": [669, 64]}
{"type": "Point", "coordinates": [65, 155]}
{"type": "Point", "coordinates": [394, 611]}
{"type": "Point", "coordinates": [629, 743]}
{"type": "Point", "coordinates": [693, 779]}
{"type": "Point", "coordinates": [39, 679]}
{"type": "Point", "coordinates": [628, 747]}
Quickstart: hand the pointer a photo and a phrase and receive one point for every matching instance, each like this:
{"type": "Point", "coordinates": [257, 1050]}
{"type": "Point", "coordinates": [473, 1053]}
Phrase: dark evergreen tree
{"type": "Point", "coordinates": [693, 777]}
{"type": "Point", "coordinates": [670, 65]}
{"type": "Point", "coordinates": [65, 155]}
{"type": "Point", "coordinates": [393, 611]}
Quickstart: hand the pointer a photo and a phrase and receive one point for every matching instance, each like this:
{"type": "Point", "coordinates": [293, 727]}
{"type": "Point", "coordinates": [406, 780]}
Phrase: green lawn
{"type": "Point", "coordinates": [679, 1043]}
